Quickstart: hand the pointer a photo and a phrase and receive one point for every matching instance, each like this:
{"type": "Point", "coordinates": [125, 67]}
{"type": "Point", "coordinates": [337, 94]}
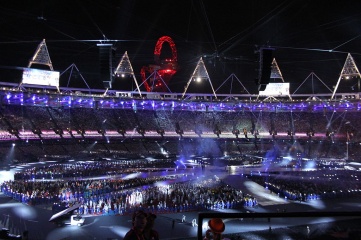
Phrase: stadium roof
{"type": "Point", "coordinates": [307, 37]}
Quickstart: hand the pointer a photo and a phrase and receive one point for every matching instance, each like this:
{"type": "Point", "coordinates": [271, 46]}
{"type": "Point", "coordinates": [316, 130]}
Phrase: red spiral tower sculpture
{"type": "Point", "coordinates": [162, 71]}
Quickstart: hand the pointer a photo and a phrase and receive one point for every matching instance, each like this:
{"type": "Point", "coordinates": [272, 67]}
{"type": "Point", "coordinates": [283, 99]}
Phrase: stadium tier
{"type": "Point", "coordinates": [50, 124]}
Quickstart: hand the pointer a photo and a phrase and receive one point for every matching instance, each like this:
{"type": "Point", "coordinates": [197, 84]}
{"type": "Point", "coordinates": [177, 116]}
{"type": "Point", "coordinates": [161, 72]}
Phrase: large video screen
{"type": "Point", "coordinates": [276, 89]}
{"type": "Point", "coordinates": [40, 77]}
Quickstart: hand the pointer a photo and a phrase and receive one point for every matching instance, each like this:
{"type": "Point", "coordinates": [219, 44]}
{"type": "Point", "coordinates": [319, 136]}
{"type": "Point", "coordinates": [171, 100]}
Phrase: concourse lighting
{"type": "Point", "coordinates": [217, 132]}
{"type": "Point", "coordinates": [235, 132]}
{"type": "Point", "coordinates": [198, 79]}
{"type": "Point", "coordinates": [273, 132]}
{"type": "Point", "coordinates": [179, 131]}
{"type": "Point", "coordinates": [80, 131]}
{"type": "Point", "coordinates": [37, 131]}
{"type": "Point", "coordinates": [13, 131]}
{"type": "Point", "coordinates": [160, 132]}
{"type": "Point", "coordinates": [58, 131]}
{"type": "Point", "coordinates": [329, 134]}
{"type": "Point", "coordinates": [141, 131]}
{"type": "Point", "coordinates": [101, 131]}
{"type": "Point", "coordinates": [198, 132]}
{"type": "Point", "coordinates": [245, 132]}
{"type": "Point", "coordinates": [121, 131]}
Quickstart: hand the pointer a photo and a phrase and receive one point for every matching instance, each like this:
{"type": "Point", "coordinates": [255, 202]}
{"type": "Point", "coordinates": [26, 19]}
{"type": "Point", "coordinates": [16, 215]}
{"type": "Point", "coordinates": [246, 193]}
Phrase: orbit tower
{"type": "Point", "coordinates": [161, 72]}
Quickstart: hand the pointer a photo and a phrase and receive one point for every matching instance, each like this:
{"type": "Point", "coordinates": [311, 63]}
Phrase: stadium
{"type": "Point", "coordinates": [239, 112]}
{"type": "Point", "coordinates": [48, 122]}
{"type": "Point", "coordinates": [96, 136]}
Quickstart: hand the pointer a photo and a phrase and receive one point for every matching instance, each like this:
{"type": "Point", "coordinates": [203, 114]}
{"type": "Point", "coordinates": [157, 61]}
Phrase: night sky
{"type": "Point", "coordinates": [307, 37]}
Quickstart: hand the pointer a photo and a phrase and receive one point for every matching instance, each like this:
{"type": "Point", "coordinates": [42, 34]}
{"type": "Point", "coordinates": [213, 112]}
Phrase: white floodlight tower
{"type": "Point", "coordinates": [349, 70]}
{"type": "Point", "coordinates": [200, 72]}
{"type": "Point", "coordinates": [275, 71]}
{"type": "Point", "coordinates": [41, 56]}
{"type": "Point", "coordinates": [125, 68]}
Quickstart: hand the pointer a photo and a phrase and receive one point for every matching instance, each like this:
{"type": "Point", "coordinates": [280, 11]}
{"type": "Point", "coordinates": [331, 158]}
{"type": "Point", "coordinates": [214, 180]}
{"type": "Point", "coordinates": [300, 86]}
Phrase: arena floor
{"type": "Point", "coordinates": [19, 217]}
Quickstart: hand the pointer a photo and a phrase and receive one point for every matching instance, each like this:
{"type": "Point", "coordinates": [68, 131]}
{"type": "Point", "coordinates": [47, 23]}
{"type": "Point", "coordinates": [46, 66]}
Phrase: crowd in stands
{"type": "Point", "coordinates": [49, 118]}
{"type": "Point", "coordinates": [45, 192]}
{"type": "Point", "coordinates": [341, 126]}
{"type": "Point", "coordinates": [89, 183]}
{"type": "Point", "coordinates": [104, 188]}
{"type": "Point", "coordinates": [185, 147]}
{"type": "Point", "coordinates": [88, 169]}
{"type": "Point", "coordinates": [118, 196]}
{"type": "Point", "coordinates": [311, 185]}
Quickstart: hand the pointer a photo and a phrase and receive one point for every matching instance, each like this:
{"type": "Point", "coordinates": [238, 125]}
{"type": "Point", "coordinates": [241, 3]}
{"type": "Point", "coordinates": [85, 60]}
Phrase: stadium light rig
{"type": "Point", "coordinates": [161, 132]}
{"type": "Point", "coordinates": [141, 131]}
{"type": "Point", "coordinates": [217, 131]}
{"type": "Point", "coordinates": [198, 132]}
{"type": "Point", "coordinates": [235, 132]}
{"type": "Point", "coordinates": [179, 132]}
{"type": "Point", "coordinates": [198, 79]}
{"type": "Point", "coordinates": [310, 133]}
{"type": "Point", "coordinates": [245, 132]}
{"type": "Point", "coordinates": [121, 131]}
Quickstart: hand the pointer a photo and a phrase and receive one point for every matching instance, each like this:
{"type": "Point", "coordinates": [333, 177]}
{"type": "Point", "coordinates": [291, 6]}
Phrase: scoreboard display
{"type": "Point", "coordinates": [276, 90]}
{"type": "Point", "coordinates": [40, 77]}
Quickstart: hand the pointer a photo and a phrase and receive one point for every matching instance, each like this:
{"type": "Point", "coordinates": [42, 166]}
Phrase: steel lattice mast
{"type": "Point", "coordinates": [41, 56]}
{"type": "Point", "coordinates": [349, 70]}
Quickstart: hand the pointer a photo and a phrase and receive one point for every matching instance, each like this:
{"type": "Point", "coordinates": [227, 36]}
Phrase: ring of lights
{"type": "Point", "coordinates": [159, 64]}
